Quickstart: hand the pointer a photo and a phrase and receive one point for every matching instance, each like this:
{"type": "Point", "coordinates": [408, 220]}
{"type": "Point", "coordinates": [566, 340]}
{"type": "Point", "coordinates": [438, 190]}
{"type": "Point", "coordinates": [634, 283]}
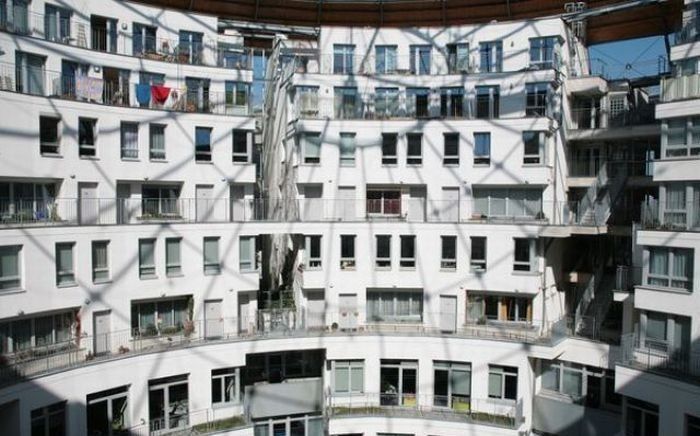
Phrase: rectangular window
{"type": "Point", "coordinates": [168, 403]}
{"type": "Point", "coordinates": [143, 39]}
{"type": "Point", "coordinates": [487, 102]}
{"type": "Point", "coordinates": [452, 102]}
{"type": "Point", "coordinates": [385, 59]}
{"type": "Point", "coordinates": [160, 201]}
{"type": "Point", "coordinates": [408, 251]}
{"type": "Point", "coordinates": [347, 252]}
{"type": "Point", "coordinates": [507, 203]}
{"type": "Point", "coordinates": [348, 376]}
{"type": "Point", "coordinates": [382, 203]}
{"type": "Point", "coordinates": [236, 98]}
{"type": "Point", "coordinates": [311, 147]}
{"type": "Point", "coordinates": [389, 156]}
{"type": "Point", "coordinates": [670, 267]}
{"type": "Point", "coordinates": [642, 418]}
{"type": "Point", "coordinates": [482, 148]}
{"type": "Point", "coordinates": [542, 52]}
{"type": "Point", "coordinates": [343, 59]}
{"type": "Point", "coordinates": [347, 149]}
{"type": "Point", "coordinates": [173, 262]}
{"type": "Point", "coordinates": [247, 254]}
{"type": "Point", "coordinates": [29, 73]}
{"type": "Point", "coordinates": [65, 274]}
{"type": "Point", "coordinates": [417, 102]}
{"type": "Point", "coordinates": [240, 146]}
{"type": "Point", "coordinates": [534, 145]}
{"type": "Point", "coordinates": [100, 261]}
{"type": "Point", "coordinates": [212, 264]}
{"type": "Point", "coordinates": [190, 47]}
{"type": "Point", "coordinates": [49, 420]}
{"type": "Point", "coordinates": [225, 385]}
{"type": "Point", "coordinates": [477, 262]}
{"type": "Point", "coordinates": [452, 385]}
{"type": "Point", "coordinates": [420, 59]}
{"type": "Point", "coordinates": [503, 382]}
{"type": "Point", "coordinates": [347, 104]}
{"type": "Point", "coordinates": [87, 137]}
{"type": "Point", "coordinates": [57, 25]}
{"type": "Point", "coordinates": [386, 103]}
{"type": "Point", "coordinates": [414, 149]}
{"type": "Point", "coordinates": [491, 56]}
{"type": "Point", "coordinates": [156, 146]}
{"type": "Point", "coordinates": [451, 149]}
{"type": "Point", "coordinates": [457, 58]}
{"type": "Point", "coordinates": [147, 258]}
{"type": "Point", "coordinates": [306, 101]}
{"type": "Point", "coordinates": [395, 305]}
{"type": "Point", "coordinates": [676, 206]}
{"type": "Point", "coordinates": [202, 144]}
{"type": "Point", "coordinates": [524, 255]}
{"type": "Point", "coordinates": [108, 410]}
{"type": "Point", "coordinates": [312, 252]}
{"type": "Point", "coordinates": [163, 316]}
{"type": "Point", "coordinates": [536, 99]}
{"type": "Point", "coordinates": [448, 257]}
{"type": "Point", "coordinates": [49, 135]}
{"type": "Point", "coordinates": [682, 137]}
{"type": "Point", "coordinates": [383, 252]}
{"type": "Point", "coordinates": [10, 267]}
{"type": "Point", "coordinates": [398, 381]}
{"type": "Point", "coordinates": [692, 425]}
{"type": "Point", "coordinates": [129, 140]}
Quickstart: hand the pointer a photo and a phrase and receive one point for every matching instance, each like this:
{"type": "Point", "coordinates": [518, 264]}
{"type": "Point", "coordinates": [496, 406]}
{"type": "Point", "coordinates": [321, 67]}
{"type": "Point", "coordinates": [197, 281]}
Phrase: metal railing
{"type": "Point", "coordinates": [626, 277]}
{"type": "Point", "coordinates": [488, 411]}
{"type": "Point", "coordinates": [196, 422]}
{"type": "Point", "coordinates": [87, 349]}
{"type": "Point", "coordinates": [685, 217]}
{"type": "Point", "coordinates": [591, 168]}
{"type": "Point", "coordinates": [659, 357]}
{"type": "Point", "coordinates": [602, 118]}
{"type": "Point", "coordinates": [111, 211]}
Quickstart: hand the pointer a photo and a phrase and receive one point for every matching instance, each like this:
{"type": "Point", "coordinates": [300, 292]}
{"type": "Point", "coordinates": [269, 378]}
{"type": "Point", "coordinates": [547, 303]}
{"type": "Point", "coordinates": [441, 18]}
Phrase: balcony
{"type": "Point", "coordinates": [680, 87]}
{"type": "Point", "coordinates": [602, 118]}
{"type": "Point", "coordinates": [684, 218]}
{"type": "Point", "coordinates": [658, 357]}
{"type": "Point", "coordinates": [690, 32]}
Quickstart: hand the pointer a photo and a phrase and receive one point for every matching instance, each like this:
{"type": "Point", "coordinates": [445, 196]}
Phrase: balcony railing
{"type": "Point", "coordinates": [486, 411]}
{"type": "Point", "coordinates": [680, 87]}
{"type": "Point", "coordinates": [204, 421]}
{"type": "Point", "coordinates": [591, 168]}
{"type": "Point", "coordinates": [683, 217]}
{"type": "Point", "coordinates": [626, 277]}
{"type": "Point", "coordinates": [84, 34]}
{"type": "Point", "coordinates": [690, 32]}
{"type": "Point", "coordinates": [85, 349]}
{"type": "Point", "coordinates": [110, 211]}
{"type": "Point", "coordinates": [659, 357]}
{"type": "Point", "coordinates": [54, 84]}
{"type": "Point", "coordinates": [602, 118]}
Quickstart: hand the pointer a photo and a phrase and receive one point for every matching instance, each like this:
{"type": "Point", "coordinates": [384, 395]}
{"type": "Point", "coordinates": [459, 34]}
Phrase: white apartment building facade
{"type": "Point", "coordinates": [463, 199]}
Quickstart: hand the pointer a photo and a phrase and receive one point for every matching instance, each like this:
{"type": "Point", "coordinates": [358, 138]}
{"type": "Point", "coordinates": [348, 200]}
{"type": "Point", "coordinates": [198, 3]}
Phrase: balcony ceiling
{"type": "Point", "coordinates": [654, 19]}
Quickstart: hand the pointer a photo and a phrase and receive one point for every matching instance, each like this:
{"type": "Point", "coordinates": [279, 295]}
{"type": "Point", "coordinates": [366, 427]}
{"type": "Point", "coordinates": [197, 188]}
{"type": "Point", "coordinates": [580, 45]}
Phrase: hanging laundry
{"type": "Point", "coordinates": [82, 86]}
{"type": "Point", "coordinates": [143, 94]}
{"type": "Point", "coordinates": [160, 93]}
{"type": "Point", "coordinates": [95, 88]}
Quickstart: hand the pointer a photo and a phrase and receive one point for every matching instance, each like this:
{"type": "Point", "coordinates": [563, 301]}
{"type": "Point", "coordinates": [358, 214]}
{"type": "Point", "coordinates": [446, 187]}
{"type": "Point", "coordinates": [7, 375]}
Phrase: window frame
{"type": "Point", "coordinates": [17, 278]}
{"type": "Point", "coordinates": [125, 127]}
{"type": "Point", "coordinates": [203, 152]}
{"type": "Point", "coordinates": [87, 150]}
{"type": "Point", "coordinates": [313, 262]}
{"type": "Point", "coordinates": [304, 141]}
{"type": "Point", "coordinates": [528, 265]}
{"type": "Point", "coordinates": [481, 158]}
{"type": "Point", "coordinates": [448, 264]}
{"type": "Point", "coordinates": [347, 159]}
{"type": "Point", "coordinates": [211, 266]}
{"type": "Point", "coordinates": [156, 153]}
{"type": "Point", "coordinates": [347, 263]}
{"type": "Point", "coordinates": [670, 254]}
{"type": "Point", "coordinates": [406, 260]}
{"type": "Point", "coordinates": [173, 269]}
{"type": "Point", "coordinates": [47, 414]}
{"type": "Point", "coordinates": [252, 253]}
{"type": "Point", "coordinates": [44, 146]}
{"type": "Point", "coordinates": [101, 269]}
{"type": "Point", "coordinates": [382, 262]}
{"type": "Point", "coordinates": [474, 263]}
{"type": "Point", "coordinates": [414, 159]}
{"type": "Point", "coordinates": [65, 274]}
{"type": "Point", "coordinates": [539, 157]}
{"type": "Point", "coordinates": [389, 159]}
{"type": "Point", "coordinates": [349, 364]}
{"type": "Point", "coordinates": [219, 376]}
{"type": "Point", "coordinates": [504, 372]}
{"type": "Point", "coordinates": [147, 271]}
{"type": "Point", "coordinates": [450, 159]}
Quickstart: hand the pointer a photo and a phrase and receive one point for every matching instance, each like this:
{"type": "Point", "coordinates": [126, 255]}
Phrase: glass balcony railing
{"type": "Point", "coordinates": [680, 87]}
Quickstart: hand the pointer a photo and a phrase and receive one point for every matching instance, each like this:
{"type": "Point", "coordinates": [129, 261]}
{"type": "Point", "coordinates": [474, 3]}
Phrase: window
{"type": "Point", "coordinates": [534, 145]}
{"type": "Point", "coordinates": [398, 381]}
{"type": "Point", "coordinates": [448, 257]}
{"type": "Point", "coordinates": [348, 376]}
{"type": "Point", "coordinates": [168, 403]}
{"type": "Point", "coordinates": [692, 425]}
{"type": "Point", "coordinates": [405, 305]}
{"type": "Point", "coordinates": [670, 267]}
{"type": "Point", "coordinates": [386, 103]}
{"type": "Point", "coordinates": [156, 146]}
{"type": "Point", "coordinates": [240, 146]}
{"type": "Point", "coordinates": [247, 254]}
{"type": "Point", "coordinates": [457, 58]}
{"type": "Point", "coordinates": [507, 203]}
{"type": "Point", "coordinates": [57, 24]}
{"type": "Point", "coordinates": [491, 56]}
{"type": "Point", "coordinates": [143, 39]}
{"type": "Point", "coordinates": [87, 137]}
{"type": "Point", "coordinates": [347, 149]}
{"type": "Point", "coordinates": [173, 264]}
{"type": "Point", "coordinates": [190, 47]}
{"type": "Point", "coordinates": [202, 144]}
{"type": "Point", "coordinates": [311, 147]}
{"type": "Point", "coordinates": [487, 102]}
{"type": "Point", "coordinates": [681, 137]}
{"type": "Point", "coordinates": [225, 385]}
{"type": "Point", "coordinates": [107, 412]}
{"type": "Point", "coordinates": [414, 149]}
{"type": "Point", "coordinates": [29, 71]}
{"type": "Point", "coordinates": [49, 420]}
{"type": "Point", "coordinates": [347, 252]}
{"type": "Point", "coordinates": [307, 101]}
{"type": "Point", "coordinates": [524, 255]}
{"type": "Point", "coordinates": [452, 385]}
{"type": "Point", "coordinates": [408, 251]}
{"type": "Point", "coordinates": [346, 103]}
{"type": "Point", "coordinates": [542, 52]}
{"type": "Point", "coordinates": [382, 203]}
{"type": "Point", "coordinates": [502, 308]}
{"type": "Point", "coordinates": [676, 205]}
{"type": "Point", "coordinates": [503, 382]}
{"type": "Point", "coordinates": [343, 59]}
{"type": "Point", "coordinates": [482, 148]}
{"type": "Point", "coordinates": [536, 99]}
{"type": "Point", "coordinates": [100, 261]}
{"type": "Point", "coordinates": [38, 331]}
{"type": "Point", "coordinates": [130, 140]}
{"type": "Point", "coordinates": [420, 59]}
{"type": "Point", "coordinates": [49, 135]}
{"type": "Point", "coordinates": [236, 98]}
{"type": "Point", "coordinates": [10, 267]}
{"type": "Point", "coordinates": [147, 261]}
{"type": "Point", "coordinates": [417, 102]}
{"type": "Point", "coordinates": [312, 252]}
{"type": "Point", "coordinates": [642, 418]}
{"type": "Point", "coordinates": [103, 34]}
{"type": "Point", "coordinates": [389, 141]}
{"type": "Point", "coordinates": [385, 59]}
{"type": "Point", "coordinates": [451, 149]}
{"type": "Point", "coordinates": [666, 334]}
{"type": "Point", "coordinates": [452, 102]}
{"type": "Point", "coordinates": [159, 317]}
{"type": "Point", "coordinates": [65, 276]}
{"type": "Point", "coordinates": [160, 201]}
{"type": "Point", "coordinates": [197, 95]}
{"type": "Point", "coordinates": [477, 262]}
{"type": "Point", "coordinates": [212, 264]}
{"type": "Point", "coordinates": [383, 252]}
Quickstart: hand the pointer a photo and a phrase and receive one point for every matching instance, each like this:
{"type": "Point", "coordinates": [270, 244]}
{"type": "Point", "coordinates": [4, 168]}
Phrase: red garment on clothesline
{"type": "Point", "coordinates": [160, 93]}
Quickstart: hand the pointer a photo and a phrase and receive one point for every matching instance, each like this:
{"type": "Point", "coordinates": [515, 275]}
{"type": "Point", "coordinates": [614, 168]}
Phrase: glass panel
{"type": "Point", "coordinates": [342, 379]}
